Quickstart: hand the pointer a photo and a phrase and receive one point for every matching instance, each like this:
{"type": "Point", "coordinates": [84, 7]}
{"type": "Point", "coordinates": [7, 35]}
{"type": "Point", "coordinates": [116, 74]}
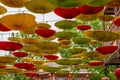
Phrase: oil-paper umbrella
{"type": "Point", "coordinates": [67, 13]}
{"type": "Point", "coordinates": [39, 6]}
{"type": "Point", "coordinates": [19, 21]}
{"type": "Point", "coordinates": [14, 3]}
{"type": "Point", "coordinates": [3, 10]}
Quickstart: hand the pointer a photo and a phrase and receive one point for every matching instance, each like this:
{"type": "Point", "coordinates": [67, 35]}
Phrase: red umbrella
{"type": "Point", "coordinates": [10, 46]}
{"type": "Point", "coordinates": [83, 27]}
{"type": "Point", "coordinates": [96, 63]}
{"type": "Point", "coordinates": [46, 33]}
{"type": "Point", "coordinates": [117, 21]}
{"type": "Point", "coordinates": [67, 13]}
{"type": "Point", "coordinates": [4, 28]}
{"type": "Point", "coordinates": [24, 65]}
{"type": "Point", "coordinates": [32, 74]}
{"type": "Point", "coordinates": [87, 10]}
{"type": "Point", "coordinates": [20, 54]}
{"type": "Point", "coordinates": [106, 49]}
{"type": "Point", "coordinates": [51, 57]}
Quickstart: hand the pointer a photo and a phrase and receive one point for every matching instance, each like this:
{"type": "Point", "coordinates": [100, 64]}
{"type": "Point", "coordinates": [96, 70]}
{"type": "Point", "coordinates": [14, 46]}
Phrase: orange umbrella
{"type": "Point", "coordinates": [14, 3]}
{"type": "Point", "coordinates": [19, 21]}
{"type": "Point", "coordinates": [2, 10]}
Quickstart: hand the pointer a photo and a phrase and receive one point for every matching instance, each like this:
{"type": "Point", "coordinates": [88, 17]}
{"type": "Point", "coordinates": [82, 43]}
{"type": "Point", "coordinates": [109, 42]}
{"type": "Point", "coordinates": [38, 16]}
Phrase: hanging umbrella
{"type": "Point", "coordinates": [78, 40]}
{"type": "Point", "coordinates": [50, 69]}
{"type": "Point", "coordinates": [70, 61]}
{"type": "Point", "coordinates": [106, 18]}
{"type": "Point", "coordinates": [7, 59]}
{"type": "Point", "coordinates": [96, 63]}
{"type": "Point", "coordinates": [39, 6]}
{"type": "Point", "coordinates": [113, 3]}
{"type": "Point", "coordinates": [38, 62]}
{"type": "Point", "coordinates": [117, 21]}
{"type": "Point", "coordinates": [64, 34]}
{"type": "Point", "coordinates": [23, 65]}
{"type": "Point", "coordinates": [87, 10]}
{"type": "Point", "coordinates": [66, 24]}
{"type": "Point", "coordinates": [68, 3]}
{"type": "Point", "coordinates": [48, 47]}
{"type": "Point", "coordinates": [20, 54]}
{"type": "Point", "coordinates": [30, 30]}
{"type": "Point", "coordinates": [83, 27]}
{"type": "Point", "coordinates": [45, 33]}
{"type": "Point", "coordinates": [14, 70]}
{"type": "Point", "coordinates": [104, 36]}
{"type": "Point", "coordinates": [19, 21]}
{"type": "Point", "coordinates": [91, 17]}
{"type": "Point", "coordinates": [77, 50]}
{"type": "Point", "coordinates": [67, 13]}
{"type": "Point", "coordinates": [30, 40]}
{"type": "Point", "coordinates": [31, 48]}
{"type": "Point", "coordinates": [4, 28]}
{"type": "Point", "coordinates": [3, 10]}
{"type": "Point", "coordinates": [31, 74]}
{"type": "Point", "coordinates": [15, 39]}
{"type": "Point", "coordinates": [97, 2]}
{"type": "Point", "coordinates": [51, 57]}
{"type": "Point", "coordinates": [43, 26]}
{"type": "Point", "coordinates": [14, 3]}
{"type": "Point", "coordinates": [106, 49]}
{"type": "Point", "coordinates": [10, 46]}
{"type": "Point", "coordinates": [27, 59]}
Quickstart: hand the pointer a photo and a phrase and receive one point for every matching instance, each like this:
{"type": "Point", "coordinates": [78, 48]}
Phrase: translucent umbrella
{"type": "Point", "coordinates": [39, 6]}
{"type": "Point", "coordinates": [14, 3]}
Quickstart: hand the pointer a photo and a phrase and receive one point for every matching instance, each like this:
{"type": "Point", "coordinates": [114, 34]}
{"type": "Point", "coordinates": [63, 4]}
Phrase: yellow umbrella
{"type": "Point", "coordinates": [106, 18]}
{"type": "Point", "coordinates": [15, 39]}
{"type": "Point", "coordinates": [14, 3]}
{"type": "Point", "coordinates": [68, 3]}
{"type": "Point", "coordinates": [83, 17]}
{"type": "Point", "coordinates": [2, 10]}
{"type": "Point", "coordinates": [66, 24]}
{"type": "Point", "coordinates": [7, 59]}
{"type": "Point", "coordinates": [43, 26]}
{"type": "Point", "coordinates": [30, 40]}
{"type": "Point", "coordinates": [104, 36]}
{"type": "Point", "coordinates": [19, 21]}
{"type": "Point", "coordinates": [39, 6]}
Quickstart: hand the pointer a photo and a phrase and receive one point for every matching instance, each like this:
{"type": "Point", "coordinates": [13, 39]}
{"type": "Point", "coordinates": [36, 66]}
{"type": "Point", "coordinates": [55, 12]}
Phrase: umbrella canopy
{"type": "Point", "coordinates": [2, 10]}
{"type": "Point", "coordinates": [19, 21]}
{"type": "Point", "coordinates": [66, 24]}
{"type": "Point", "coordinates": [83, 27]}
{"type": "Point", "coordinates": [14, 3]}
{"type": "Point", "coordinates": [10, 46]}
{"type": "Point", "coordinates": [51, 57]}
{"type": "Point", "coordinates": [87, 10]}
{"type": "Point", "coordinates": [39, 6]}
{"type": "Point", "coordinates": [45, 33]}
{"type": "Point", "coordinates": [106, 49]}
{"type": "Point", "coordinates": [96, 63]}
{"type": "Point", "coordinates": [68, 3]}
{"type": "Point", "coordinates": [23, 65]}
{"type": "Point", "coordinates": [67, 13]}
{"type": "Point", "coordinates": [20, 54]}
